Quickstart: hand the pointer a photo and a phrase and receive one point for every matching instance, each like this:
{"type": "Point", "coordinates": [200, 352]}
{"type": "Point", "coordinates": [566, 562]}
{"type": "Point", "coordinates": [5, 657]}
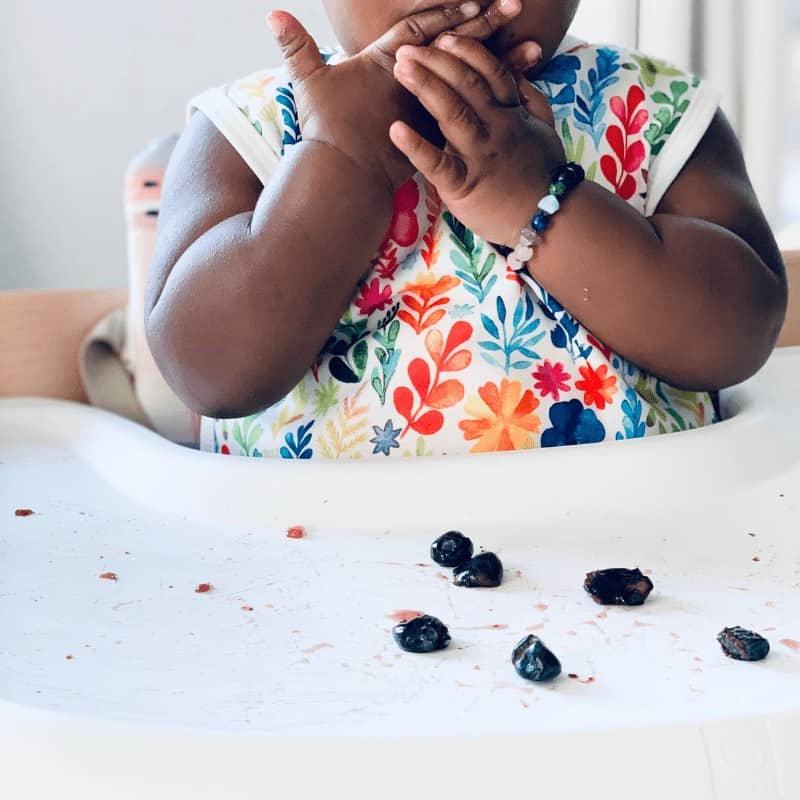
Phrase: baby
{"type": "Point", "coordinates": [462, 230]}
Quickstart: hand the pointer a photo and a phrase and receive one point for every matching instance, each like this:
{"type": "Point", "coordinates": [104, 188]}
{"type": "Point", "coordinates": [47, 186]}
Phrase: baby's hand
{"type": "Point", "coordinates": [501, 141]}
{"type": "Point", "coordinates": [351, 105]}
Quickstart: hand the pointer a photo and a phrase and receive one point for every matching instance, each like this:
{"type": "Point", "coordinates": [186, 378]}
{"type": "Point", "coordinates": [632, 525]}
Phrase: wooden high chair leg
{"type": "Point", "coordinates": [40, 337]}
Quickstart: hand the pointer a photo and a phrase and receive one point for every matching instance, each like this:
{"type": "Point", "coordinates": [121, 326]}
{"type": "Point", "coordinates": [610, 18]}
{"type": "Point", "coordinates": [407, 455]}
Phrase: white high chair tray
{"type": "Point", "coordinates": [285, 678]}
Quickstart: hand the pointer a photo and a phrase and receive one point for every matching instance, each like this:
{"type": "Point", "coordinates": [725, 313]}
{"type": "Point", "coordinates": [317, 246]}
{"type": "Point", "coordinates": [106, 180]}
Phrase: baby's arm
{"type": "Point", "coordinates": [247, 283]}
{"type": "Point", "coordinates": [695, 294]}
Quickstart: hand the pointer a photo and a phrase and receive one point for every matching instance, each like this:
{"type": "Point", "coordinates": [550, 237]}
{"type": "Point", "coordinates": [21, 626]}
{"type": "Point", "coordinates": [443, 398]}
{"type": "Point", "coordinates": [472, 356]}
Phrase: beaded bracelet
{"type": "Point", "coordinates": [564, 180]}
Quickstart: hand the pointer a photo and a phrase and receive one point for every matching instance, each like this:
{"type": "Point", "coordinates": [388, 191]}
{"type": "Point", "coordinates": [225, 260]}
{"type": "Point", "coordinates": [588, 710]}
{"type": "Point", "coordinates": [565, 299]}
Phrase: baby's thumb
{"type": "Point", "coordinates": [535, 103]}
{"type": "Point", "coordinates": [300, 52]}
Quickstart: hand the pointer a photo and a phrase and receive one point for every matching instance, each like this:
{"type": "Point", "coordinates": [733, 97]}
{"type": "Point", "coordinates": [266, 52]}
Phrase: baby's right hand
{"type": "Point", "coordinates": [352, 105]}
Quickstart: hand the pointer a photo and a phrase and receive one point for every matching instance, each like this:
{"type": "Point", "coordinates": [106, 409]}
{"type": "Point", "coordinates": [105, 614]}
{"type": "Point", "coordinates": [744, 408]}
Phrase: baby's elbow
{"type": "Point", "coordinates": [734, 356]}
{"type": "Point", "coordinates": [770, 315]}
{"type": "Point", "coordinates": [205, 377]}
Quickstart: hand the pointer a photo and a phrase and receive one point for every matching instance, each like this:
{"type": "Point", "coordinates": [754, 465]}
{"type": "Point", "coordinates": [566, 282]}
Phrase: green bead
{"type": "Point", "coordinates": [558, 189]}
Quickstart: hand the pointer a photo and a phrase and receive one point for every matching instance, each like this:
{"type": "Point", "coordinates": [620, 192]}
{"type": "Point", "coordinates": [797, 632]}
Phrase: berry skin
{"type": "Point", "coordinates": [618, 587]}
{"type": "Point", "coordinates": [534, 662]}
{"type": "Point", "coordinates": [421, 635]}
{"type": "Point", "coordinates": [451, 549]}
{"type": "Point", "coordinates": [482, 571]}
{"type": "Point", "coordinates": [743, 645]}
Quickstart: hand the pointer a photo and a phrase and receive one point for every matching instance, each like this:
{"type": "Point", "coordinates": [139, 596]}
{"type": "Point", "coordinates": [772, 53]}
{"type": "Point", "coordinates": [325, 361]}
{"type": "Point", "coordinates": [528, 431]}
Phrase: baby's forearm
{"type": "Point", "coordinates": [683, 298]}
{"type": "Point", "coordinates": [250, 304]}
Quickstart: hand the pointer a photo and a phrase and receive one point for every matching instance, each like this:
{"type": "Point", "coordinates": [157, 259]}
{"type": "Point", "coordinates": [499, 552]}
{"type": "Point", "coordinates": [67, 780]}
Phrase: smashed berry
{"type": "Point", "coordinates": [421, 635]}
{"type": "Point", "coordinates": [482, 571]}
{"type": "Point", "coordinates": [743, 645]}
{"type": "Point", "coordinates": [534, 662]}
{"type": "Point", "coordinates": [451, 550]}
{"type": "Point", "coordinates": [618, 587]}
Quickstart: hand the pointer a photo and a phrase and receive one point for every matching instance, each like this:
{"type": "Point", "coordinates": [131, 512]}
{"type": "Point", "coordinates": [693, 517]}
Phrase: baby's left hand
{"type": "Point", "coordinates": [501, 148]}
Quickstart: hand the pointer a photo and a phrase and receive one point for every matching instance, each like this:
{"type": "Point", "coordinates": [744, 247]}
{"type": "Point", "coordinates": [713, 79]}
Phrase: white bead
{"type": "Point", "coordinates": [549, 204]}
{"type": "Point", "coordinates": [514, 263]}
{"type": "Point", "coordinates": [524, 252]}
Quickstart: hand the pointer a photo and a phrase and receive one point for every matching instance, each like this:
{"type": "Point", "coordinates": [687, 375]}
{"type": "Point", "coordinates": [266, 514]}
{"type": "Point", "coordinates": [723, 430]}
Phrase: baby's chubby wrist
{"type": "Point", "coordinates": [365, 171]}
{"type": "Point", "coordinates": [523, 202]}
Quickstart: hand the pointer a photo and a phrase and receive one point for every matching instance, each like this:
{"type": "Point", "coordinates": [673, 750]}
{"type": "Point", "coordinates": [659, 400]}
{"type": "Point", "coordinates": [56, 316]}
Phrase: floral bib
{"type": "Point", "coordinates": [444, 349]}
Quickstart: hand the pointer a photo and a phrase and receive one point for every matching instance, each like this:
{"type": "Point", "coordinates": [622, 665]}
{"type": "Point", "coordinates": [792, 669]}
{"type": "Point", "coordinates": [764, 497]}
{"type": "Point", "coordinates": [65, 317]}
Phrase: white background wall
{"type": "Point", "coordinates": [85, 84]}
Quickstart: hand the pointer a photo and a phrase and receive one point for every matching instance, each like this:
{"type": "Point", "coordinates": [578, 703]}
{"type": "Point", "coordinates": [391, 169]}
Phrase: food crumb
{"type": "Point", "coordinates": [204, 588]}
{"type": "Point", "coordinates": [248, 608]}
{"type": "Point", "coordinates": [791, 644]}
{"type": "Point", "coordinates": [575, 677]}
{"type": "Point", "coordinates": [756, 559]}
{"type": "Point", "coordinates": [69, 658]}
{"type": "Point", "coordinates": [24, 512]}
{"type": "Point", "coordinates": [109, 576]}
{"type": "Point", "coordinates": [296, 532]}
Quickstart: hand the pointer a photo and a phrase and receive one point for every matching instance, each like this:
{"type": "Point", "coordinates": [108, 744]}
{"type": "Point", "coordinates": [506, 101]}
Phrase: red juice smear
{"type": "Point", "coordinates": [404, 615]}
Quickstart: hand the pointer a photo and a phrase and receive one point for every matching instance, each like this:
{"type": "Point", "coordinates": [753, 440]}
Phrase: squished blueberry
{"type": "Point", "coordinates": [534, 662]}
{"type": "Point", "coordinates": [421, 635]}
{"type": "Point", "coordinates": [743, 645]}
{"type": "Point", "coordinates": [452, 549]}
{"type": "Point", "coordinates": [618, 587]}
{"type": "Point", "coordinates": [482, 571]}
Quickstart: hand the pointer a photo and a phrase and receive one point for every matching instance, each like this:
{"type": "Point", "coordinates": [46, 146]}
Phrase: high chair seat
{"type": "Point", "coordinates": [115, 671]}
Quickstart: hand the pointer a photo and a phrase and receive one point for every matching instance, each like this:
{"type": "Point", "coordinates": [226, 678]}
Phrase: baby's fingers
{"type": "Point", "coordinates": [499, 13]}
{"type": "Point", "coordinates": [524, 56]}
{"type": "Point", "coordinates": [300, 52]}
{"type": "Point", "coordinates": [445, 171]}
{"type": "Point", "coordinates": [420, 29]}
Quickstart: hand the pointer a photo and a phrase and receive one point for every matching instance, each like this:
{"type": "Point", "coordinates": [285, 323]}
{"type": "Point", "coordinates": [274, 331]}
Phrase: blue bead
{"type": "Point", "coordinates": [540, 222]}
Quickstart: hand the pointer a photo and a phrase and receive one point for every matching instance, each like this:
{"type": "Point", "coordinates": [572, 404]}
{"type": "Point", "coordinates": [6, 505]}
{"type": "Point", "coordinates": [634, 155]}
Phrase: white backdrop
{"type": "Point", "coordinates": [85, 84]}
